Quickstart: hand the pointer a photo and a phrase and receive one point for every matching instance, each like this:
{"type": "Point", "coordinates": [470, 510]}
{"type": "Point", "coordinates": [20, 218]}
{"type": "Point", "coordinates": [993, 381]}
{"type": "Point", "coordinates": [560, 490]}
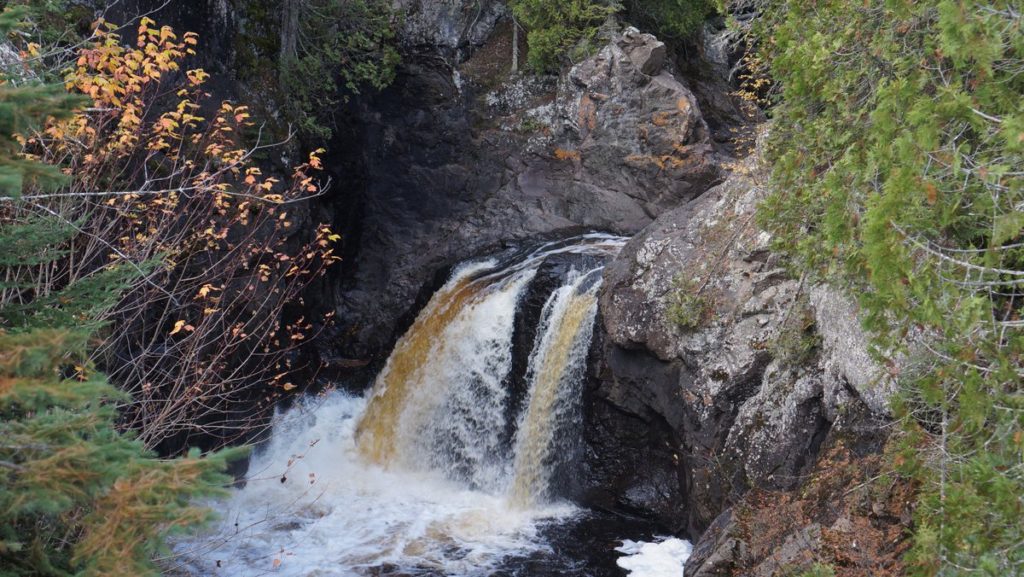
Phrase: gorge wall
{"type": "Point", "coordinates": [461, 159]}
{"type": "Point", "coordinates": [721, 378]}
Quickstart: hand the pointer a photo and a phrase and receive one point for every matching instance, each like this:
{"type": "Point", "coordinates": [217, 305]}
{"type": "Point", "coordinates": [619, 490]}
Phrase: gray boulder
{"type": "Point", "coordinates": [636, 127]}
{"type": "Point", "coordinates": [646, 52]}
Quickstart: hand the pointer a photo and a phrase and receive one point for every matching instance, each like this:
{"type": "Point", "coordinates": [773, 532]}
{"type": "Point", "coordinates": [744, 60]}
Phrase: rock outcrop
{"type": "Point", "coordinates": [725, 372]}
{"type": "Point", "coordinates": [447, 25]}
{"type": "Point", "coordinates": [454, 169]}
{"type": "Point", "coordinates": [637, 129]}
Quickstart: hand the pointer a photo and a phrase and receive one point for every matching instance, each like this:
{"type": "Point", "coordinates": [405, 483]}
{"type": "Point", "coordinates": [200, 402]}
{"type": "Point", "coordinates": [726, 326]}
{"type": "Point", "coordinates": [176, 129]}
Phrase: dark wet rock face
{"type": "Point", "coordinates": [458, 163]}
{"type": "Point", "coordinates": [448, 25]}
{"type": "Point", "coordinates": [632, 462]}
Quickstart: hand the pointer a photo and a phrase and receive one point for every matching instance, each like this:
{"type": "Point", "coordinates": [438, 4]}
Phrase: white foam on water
{"type": "Point", "coordinates": [662, 558]}
{"type": "Point", "coordinates": [313, 507]}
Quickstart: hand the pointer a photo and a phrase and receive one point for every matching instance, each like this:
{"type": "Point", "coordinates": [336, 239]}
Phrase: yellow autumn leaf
{"type": "Point", "coordinates": [177, 327]}
{"type": "Point", "coordinates": [181, 325]}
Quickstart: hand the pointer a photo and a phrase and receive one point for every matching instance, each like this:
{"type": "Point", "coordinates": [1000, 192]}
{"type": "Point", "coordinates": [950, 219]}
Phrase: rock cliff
{"type": "Point", "coordinates": [460, 160]}
{"type": "Point", "coordinates": [719, 373]}
{"type": "Point", "coordinates": [740, 370]}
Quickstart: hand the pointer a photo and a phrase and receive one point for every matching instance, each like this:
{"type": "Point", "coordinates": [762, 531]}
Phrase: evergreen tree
{"type": "Point", "coordinates": [556, 29]}
{"type": "Point", "coordinates": [77, 496]}
{"type": "Point", "coordinates": [897, 149]}
{"type": "Point", "coordinates": [22, 107]}
{"type": "Point", "coordinates": [331, 49]}
{"type": "Point", "coordinates": [560, 31]}
{"type": "Point", "coordinates": [670, 19]}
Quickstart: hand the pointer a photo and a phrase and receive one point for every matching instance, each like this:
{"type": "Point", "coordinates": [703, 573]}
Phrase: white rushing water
{"type": "Point", "coordinates": [314, 507]}
{"type": "Point", "coordinates": [663, 558]}
{"type": "Point", "coordinates": [419, 475]}
{"type": "Point", "coordinates": [556, 365]}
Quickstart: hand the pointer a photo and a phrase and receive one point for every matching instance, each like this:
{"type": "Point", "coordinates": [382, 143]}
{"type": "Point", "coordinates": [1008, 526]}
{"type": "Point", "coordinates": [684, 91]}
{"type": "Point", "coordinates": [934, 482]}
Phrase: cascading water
{"type": "Point", "coordinates": [421, 476]}
{"type": "Point", "coordinates": [436, 403]}
{"type": "Point", "coordinates": [555, 370]}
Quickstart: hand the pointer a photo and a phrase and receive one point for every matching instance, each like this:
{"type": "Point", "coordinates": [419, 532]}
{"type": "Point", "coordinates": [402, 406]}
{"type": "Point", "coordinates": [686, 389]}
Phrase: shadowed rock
{"type": "Point", "coordinates": [451, 171]}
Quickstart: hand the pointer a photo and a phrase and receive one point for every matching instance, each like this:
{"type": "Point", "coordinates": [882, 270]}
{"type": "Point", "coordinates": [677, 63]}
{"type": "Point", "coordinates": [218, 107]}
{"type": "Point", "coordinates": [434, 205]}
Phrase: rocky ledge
{"type": "Point", "coordinates": [720, 374]}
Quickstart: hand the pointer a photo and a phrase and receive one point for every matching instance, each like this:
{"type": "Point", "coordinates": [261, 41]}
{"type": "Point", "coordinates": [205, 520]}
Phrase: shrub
{"type": "Point", "coordinates": [77, 495]}
{"type": "Point", "coordinates": [556, 29]}
{"type": "Point", "coordinates": [200, 337]}
{"type": "Point", "coordinates": [797, 342]}
{"type": "Point", "coordinates": [687, 306]}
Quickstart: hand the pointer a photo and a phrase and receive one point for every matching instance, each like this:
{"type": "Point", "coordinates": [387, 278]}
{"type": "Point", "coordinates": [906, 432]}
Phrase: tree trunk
{"type": "Point", "coordinates": [290, 10]}
{"type": "Point", "coordinates": [515, 46]}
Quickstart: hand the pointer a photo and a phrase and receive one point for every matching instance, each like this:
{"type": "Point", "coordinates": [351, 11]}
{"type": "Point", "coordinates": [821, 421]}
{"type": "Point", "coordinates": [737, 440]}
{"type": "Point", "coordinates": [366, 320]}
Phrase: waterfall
{"type": "Point", "coordinates": [446, 466]}
{"type": "Point", "coordinates": [556, 367]}
{"type": "Point", "coordinates": [441, 400]}
{"type": "Point", "coordinates": [436, 402]}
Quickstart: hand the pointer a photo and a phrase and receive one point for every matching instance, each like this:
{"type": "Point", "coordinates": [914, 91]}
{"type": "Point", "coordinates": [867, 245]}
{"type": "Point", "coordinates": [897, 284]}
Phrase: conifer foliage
{"type": "Point", "coordinates": [76, 495]}
{"type": "Point", "coordinates": [670, 19]}
{"type": "Point", "coordinates": [139, 237]}
{"type": "Point", "coordinates": [336, 48]}
{"type": "Point", "coordinates": [898, 147]}
{"type": "Point", "coordinates": [560, 31]}
{"type": "Point", "coordinates": [21, 107]}
{"type": "Point", "coordinates": [557, 29]}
